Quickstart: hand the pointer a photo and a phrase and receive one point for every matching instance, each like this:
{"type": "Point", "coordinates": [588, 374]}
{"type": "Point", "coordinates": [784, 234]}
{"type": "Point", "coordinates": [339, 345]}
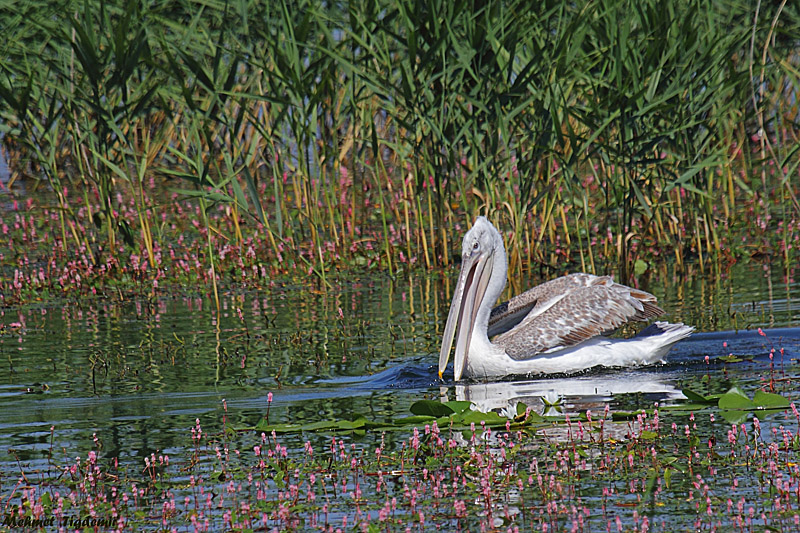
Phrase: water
{"type": "Point", "coordinates": [138, 373]}
{"type": "Point", "coordinates": [145, 370]}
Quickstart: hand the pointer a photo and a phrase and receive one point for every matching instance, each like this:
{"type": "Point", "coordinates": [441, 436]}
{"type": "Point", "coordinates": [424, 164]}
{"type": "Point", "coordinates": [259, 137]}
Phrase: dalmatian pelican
{"type": "Point", "coordinates": [560, 326]}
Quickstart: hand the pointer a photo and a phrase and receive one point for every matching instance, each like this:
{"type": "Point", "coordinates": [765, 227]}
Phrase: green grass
{"type": "Point", "coordinates": [596, 134]}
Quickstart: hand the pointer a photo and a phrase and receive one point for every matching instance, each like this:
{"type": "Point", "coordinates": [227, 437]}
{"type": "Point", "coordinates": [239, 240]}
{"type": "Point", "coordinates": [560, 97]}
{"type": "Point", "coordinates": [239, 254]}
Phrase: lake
{"type": "Point", "coordinates": [132, 377]}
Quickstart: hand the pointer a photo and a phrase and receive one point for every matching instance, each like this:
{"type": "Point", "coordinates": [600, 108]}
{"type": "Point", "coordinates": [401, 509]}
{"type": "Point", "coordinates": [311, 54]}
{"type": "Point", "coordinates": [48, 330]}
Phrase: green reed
{"type": "Point", "coordinates": [594, 133]}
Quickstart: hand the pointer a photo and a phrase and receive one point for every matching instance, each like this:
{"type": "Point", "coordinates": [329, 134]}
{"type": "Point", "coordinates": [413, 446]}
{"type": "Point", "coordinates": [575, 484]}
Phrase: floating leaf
{"type": "Point", "coordinates": [735, 399]}
{"type": "Point", "coordinates": [321, 425]}
{"type": "Point", "coordinates": [491, 418]}
{"type": "Point", "coordinates": [685, 406]}
{"type": "Point", "coordinates": [696, 397]}
{"type": "Point", "coordinates": [768, 400]}
{"type": "Point", "coordinates": [533, 416]}
{"type": "Point", "coordinates": [431, 408]}
{"type": "Point", "coordinates": [459, 407]}
{"type": "Point", "coordinates": [648, 435]}
{"type": "Point", "coordinates": [278, 428]}
{"type": "Point", "coordinates": [414, 420]}
{"type": "Point", "coordinates": [734, 417]}
{"type": "Point", "coordinates": [359, 422]}
{"type": "Point", "coordinates": [454, 413]}
{"type": "Point", "coordinates": [630, 415]}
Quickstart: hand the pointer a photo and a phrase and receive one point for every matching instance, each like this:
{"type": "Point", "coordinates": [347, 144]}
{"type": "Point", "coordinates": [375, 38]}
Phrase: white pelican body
{"type": "Point", "coordinates": [557, 327]}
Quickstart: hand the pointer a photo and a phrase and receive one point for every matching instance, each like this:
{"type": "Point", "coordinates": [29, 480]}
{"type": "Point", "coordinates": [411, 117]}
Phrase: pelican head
{"type": "Point", "coordinates": [482, 254]}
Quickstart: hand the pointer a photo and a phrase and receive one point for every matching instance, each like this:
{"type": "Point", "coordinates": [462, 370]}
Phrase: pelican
{"type": "Point", "coordinates": [557, 327]}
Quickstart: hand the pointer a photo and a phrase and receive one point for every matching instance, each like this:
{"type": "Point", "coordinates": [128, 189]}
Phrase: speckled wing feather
{"type": "Point", "coordinates": [572, 309]}
{"type": "Point", "coordinates": [508, 314]}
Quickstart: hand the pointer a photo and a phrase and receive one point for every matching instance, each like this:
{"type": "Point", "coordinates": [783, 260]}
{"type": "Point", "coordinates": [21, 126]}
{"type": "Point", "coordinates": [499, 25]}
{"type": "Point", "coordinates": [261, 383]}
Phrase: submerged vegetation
{"type": "Point", "coordinates": [246, 139]}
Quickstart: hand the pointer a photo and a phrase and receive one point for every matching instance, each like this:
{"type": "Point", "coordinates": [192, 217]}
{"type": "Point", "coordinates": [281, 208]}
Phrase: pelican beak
{"type": "Point", "coordinates": [472, 281]}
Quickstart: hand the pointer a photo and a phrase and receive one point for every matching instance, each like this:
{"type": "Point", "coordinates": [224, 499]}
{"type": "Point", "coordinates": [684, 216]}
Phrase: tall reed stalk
{"type": "Point", "coordinates": [596, 133]}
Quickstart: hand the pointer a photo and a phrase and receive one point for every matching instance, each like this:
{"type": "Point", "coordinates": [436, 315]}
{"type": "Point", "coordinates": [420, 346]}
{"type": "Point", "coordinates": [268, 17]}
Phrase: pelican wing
{"type": "Point", "coordinates": [508, 314]}
{"type": "Point", "coordinates": [569, 310]}
{"type": "Point", "coordinates": [537, 300]}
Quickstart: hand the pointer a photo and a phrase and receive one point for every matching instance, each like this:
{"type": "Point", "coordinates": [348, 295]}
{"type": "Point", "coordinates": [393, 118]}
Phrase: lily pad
{"type": "Point", "coordinates": [734, 417]}
{"type": "Point", "coordinates": [736, 399]}
{"type": "Point", "coordinates": [768, 400]}
{"type": "Point", "coordinates": [491, 418]}
{"type": "Point", "coordinates": [691, 407]}
{"type": "Point", "coordinates": [414, 420]}
{"type": "Point", "coordinates": [696, 397]}
{"type": "Point", "coordinates": [359, 422]}
{"type": "Point", "coordinates": [431, 408]}
{"type": "Point", "coordinates": [321, 425]}
{"type": "Point", "coordinates": [453, 414]}
{"type": "Point", "coordinates": [459, 407]}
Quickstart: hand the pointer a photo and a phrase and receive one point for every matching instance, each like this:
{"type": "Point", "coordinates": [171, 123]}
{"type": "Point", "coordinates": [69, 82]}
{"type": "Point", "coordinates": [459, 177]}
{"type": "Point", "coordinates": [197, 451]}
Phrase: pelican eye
{"type": "Point", "coordinates": [475, 246]}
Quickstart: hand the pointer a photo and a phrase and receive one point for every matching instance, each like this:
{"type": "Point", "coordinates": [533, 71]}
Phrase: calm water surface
{"type": "Point", "coordinates": [138, 373]}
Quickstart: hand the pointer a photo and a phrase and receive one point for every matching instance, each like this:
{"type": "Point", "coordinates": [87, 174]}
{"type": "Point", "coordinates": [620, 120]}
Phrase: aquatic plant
{"type": "Point", "coordinates": [603, 135]}
{"type": "Point", "coordinates": [633, 465]}
{"type": "Point", "coordinates": [658, 470]}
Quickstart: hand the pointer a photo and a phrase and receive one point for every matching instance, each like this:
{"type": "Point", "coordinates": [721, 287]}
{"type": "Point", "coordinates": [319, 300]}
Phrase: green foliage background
{"type": "Point", "coordinates": [594, 133]}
